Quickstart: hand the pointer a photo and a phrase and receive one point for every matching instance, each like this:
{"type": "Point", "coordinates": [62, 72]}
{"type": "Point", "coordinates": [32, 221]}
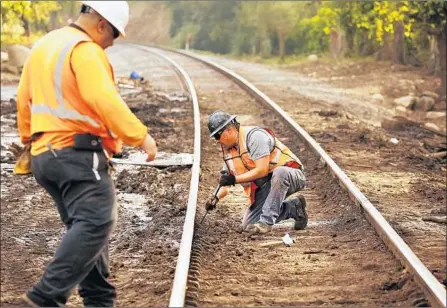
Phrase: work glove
{"type": "Point", "coordinates": [227, 180]}
{"type": "Point", "coordinates": [211, 204]}
{"type": "Point", "coordinates": [23, 155]}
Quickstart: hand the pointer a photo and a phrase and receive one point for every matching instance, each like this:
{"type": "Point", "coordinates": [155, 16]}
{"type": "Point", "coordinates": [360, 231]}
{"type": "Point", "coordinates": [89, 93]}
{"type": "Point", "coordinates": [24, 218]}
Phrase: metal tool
{"type": "Point", "coordinates": [286, 241]}
{"type": "Point", "coordinates": [223, 172]}
{"type": "Point", "coordinates": [161, 160]}
{"type": "Point", "coordinates": [203, 218]}
{"type": "Point", "coordinates": [215, 196]}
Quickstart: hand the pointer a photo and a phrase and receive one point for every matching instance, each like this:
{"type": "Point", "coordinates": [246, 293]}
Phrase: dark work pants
{"type": "Point", "coordinates": [270, 205]}
{"type": "Point", "coordinates": [82, 188]}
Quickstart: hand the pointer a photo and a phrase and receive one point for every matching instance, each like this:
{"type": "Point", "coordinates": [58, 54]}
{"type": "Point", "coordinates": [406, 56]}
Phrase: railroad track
{"type": "Point", "coordinates": [338, 260]}
{"type": "Point", "coordinates": [433, 290]}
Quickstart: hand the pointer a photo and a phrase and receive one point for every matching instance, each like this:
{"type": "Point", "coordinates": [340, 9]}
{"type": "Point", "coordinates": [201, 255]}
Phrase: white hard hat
{"type": "Point", "coordinates": [115, 12]}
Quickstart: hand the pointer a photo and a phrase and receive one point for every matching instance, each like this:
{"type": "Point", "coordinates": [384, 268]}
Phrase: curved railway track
{"type": "Point", "coordinates": [338, 260]}
{"type": "Point", "coordinates": [432, 288]}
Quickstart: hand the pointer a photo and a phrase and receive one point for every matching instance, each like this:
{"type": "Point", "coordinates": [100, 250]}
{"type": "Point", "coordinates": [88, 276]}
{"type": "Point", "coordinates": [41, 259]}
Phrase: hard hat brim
{"type": "Point", "coordinates": [222, 126]}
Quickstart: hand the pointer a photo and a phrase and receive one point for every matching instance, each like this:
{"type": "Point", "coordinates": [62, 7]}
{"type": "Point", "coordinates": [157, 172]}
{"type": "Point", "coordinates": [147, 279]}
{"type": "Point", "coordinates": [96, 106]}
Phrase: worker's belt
{"type": "Point", "coordinates": [88, 142]}
{"type": "Point", "coordinates": [36, 136]}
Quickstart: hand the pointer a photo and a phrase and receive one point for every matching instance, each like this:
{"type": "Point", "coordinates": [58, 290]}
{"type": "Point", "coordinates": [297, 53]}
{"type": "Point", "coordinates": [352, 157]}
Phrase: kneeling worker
{"type": "Point", "coordinates": [266, 168]}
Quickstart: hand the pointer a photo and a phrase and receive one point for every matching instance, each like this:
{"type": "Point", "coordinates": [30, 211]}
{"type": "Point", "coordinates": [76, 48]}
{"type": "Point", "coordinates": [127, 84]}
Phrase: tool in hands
{"type": "Point", "coordinates": [211, 205]}
{"type": "Point", "coordinates": [214, 203]}
{"type": "Point", "coordinates": [227, 180]}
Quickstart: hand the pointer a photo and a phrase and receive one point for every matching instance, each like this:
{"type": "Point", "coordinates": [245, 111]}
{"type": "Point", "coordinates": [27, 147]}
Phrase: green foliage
{"type": "Point", "coordinates": [266, 48]}
{"type": "Point", "coordinates": [262, 28]}
{"type": "Point", "coordinates": [430, 13]}
{"type": "Point", "coordinates": [208, 22]}
{"type": "Point", "coordinates": [25, 21]}
{"type": "Point", "coordinates": [379, 18]}
{"type": "Point", "coordinates": [312, 32]}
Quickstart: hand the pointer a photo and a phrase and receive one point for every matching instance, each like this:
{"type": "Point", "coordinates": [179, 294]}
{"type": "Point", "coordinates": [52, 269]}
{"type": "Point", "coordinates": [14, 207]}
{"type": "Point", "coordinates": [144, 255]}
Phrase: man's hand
{"type": "Point", "coordinates": [211, 204]}
{"type": "Point", "coordinates": [227, 180]}
{"type": "Point", "coordinates": [150, 147]}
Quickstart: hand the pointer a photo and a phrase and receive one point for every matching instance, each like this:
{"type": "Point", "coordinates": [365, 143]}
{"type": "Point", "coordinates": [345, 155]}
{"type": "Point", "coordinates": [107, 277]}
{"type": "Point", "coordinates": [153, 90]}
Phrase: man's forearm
{"type": "Point", "coordinates": [251, 175]}
{"type": "Point", "coordinates": [261, 170]}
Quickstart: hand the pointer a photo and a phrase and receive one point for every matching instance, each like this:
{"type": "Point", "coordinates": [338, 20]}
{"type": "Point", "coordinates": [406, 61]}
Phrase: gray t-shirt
{"type": "Point", "coordinates": [259, 143]}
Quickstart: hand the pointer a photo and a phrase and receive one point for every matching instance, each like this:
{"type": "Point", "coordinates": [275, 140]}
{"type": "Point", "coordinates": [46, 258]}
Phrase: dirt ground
{"type": "Point", "coordinates": [336, 261]}
{"type": "Point", "coordinates": [369, 76]}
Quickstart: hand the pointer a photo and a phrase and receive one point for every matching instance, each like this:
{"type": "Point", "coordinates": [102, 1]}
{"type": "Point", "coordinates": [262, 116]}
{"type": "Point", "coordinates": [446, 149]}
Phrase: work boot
{"type": "Point", "coordinates": [301, 214]}
{"type": "Point", "coordinates": [258, 228]}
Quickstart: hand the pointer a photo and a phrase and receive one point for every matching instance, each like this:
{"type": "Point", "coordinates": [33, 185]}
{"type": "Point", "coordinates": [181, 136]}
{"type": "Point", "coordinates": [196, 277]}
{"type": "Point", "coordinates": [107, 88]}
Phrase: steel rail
{"type": "Point", "coordinates": [432, 288]}
{"type": "Point", "coordinates": [178, 291]}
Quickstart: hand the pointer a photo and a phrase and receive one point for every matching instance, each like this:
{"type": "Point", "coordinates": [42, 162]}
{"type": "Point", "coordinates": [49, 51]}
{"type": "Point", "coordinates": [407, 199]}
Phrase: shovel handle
{"type": "Point", "coordinates": [215, 195]}
{"type": "Point", "coordinates": [217, 190]}
{"type": "Point", "coordinates": [223, 172]}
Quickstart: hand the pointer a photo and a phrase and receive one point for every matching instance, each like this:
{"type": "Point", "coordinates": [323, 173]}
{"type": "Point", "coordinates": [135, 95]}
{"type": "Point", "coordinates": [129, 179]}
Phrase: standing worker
{"type": "Point", "coordinates": [266, 168]}
{"type": "Point", "coordinates": [71, 113]}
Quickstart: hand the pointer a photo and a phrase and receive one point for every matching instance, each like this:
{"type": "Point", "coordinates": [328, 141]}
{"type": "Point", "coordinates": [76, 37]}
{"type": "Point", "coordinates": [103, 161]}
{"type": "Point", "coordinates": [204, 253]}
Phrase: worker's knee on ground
{"type": "Point", "coordinates": [279, 177]}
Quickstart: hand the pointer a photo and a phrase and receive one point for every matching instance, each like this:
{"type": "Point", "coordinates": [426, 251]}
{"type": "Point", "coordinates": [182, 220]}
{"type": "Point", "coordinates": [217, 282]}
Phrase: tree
{"type": "Point", "coordinates": [314, 24]}
{"type": "Point", "coordinates": [431, 18]}
{"type": "Point", "coordinates": [25, 18]}
{"type": "Point", "coordinates": [280, 18]}
{"type": "Point", "coordinates": [212, 22]}
{"type": "Point", "coordinates": [393, 30]}
{"type": "Point", "coordinates": [250, 31]}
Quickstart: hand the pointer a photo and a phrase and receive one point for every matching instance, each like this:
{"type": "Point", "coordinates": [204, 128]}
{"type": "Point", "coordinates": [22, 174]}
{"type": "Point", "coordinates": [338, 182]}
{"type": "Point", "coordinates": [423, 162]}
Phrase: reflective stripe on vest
{"type": "Point", "coordinates": [61, 111]}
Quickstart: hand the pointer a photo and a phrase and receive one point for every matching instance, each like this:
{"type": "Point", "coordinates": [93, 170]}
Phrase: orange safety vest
{"type": "Point", "coordinates": [239, 161]}
{"type": "Point", "coordinates": [57, 105]}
